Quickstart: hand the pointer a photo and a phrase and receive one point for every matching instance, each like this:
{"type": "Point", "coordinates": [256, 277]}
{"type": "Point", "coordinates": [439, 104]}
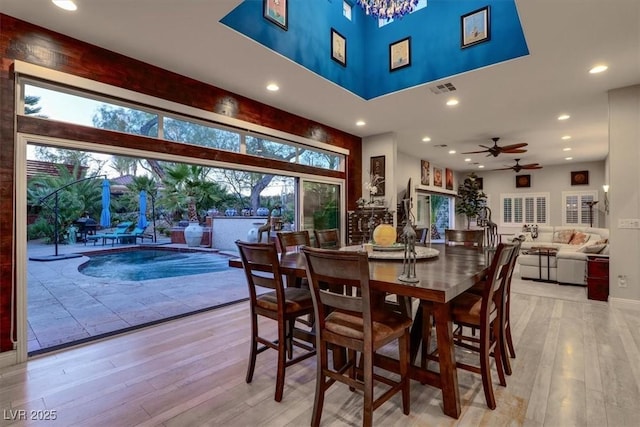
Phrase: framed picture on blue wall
{"type": "Point", "coordinates": [338, 48]}
{"type": "Point", "coordinates": [400, 54]}
{"type": "Point", "coordinates": [475, 27]}
{"type": "Point", "coordinates": [277, 11]}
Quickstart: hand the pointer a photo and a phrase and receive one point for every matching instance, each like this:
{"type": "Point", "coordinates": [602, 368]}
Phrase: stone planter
{"type": "Point", "coordinates": [193, 234]}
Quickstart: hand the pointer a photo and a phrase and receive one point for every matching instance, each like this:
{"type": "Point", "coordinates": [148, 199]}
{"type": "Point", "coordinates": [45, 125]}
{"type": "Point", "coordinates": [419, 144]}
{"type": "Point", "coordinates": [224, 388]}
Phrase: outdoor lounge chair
{"type": "Point", "coordinates": [137, 233]}
{"type": "Point", "coordinates": [117, 233]}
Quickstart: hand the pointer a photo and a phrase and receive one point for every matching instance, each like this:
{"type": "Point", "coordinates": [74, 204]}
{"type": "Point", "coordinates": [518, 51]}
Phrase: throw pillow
{"type": "Point", "coordinates": [599, 242]}
{"type": "Point", "coordinates": [579, 238]}
{"type": "Point", "coordinates": [563, 236]}
{"type": "Point", "coordinates": [605, 251]}
{"type": "Point", "coordinates": [593, 249]}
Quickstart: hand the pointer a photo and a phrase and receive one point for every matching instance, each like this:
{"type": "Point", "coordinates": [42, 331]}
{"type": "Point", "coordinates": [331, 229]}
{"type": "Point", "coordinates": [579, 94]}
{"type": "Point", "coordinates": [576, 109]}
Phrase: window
{"type": "Point", "coordinates": [579, 208]}
{"type": "Point", "coordinates": [79, 109]}
{"type": "Point", "coordinates": [49, 101]}
{"type": "Point", "coordinates": [199, 134]}
{"type": "Point", "coordinates": [346, 9]}
{"type": "Point", "coordinates": [528, 208]}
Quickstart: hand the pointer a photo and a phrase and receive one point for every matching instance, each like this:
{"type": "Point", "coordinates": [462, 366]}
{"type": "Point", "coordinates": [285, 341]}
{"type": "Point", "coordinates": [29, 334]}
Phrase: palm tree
{"type": "Point", "coordinates": [189, 186]}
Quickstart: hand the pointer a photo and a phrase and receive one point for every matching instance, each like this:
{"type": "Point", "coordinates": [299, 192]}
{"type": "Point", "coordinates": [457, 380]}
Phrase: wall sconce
{"type": "Point", "coordinates": [605, 188]}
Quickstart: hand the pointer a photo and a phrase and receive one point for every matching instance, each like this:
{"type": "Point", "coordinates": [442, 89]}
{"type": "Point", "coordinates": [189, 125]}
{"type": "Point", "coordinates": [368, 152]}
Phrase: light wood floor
{"type": "Point", "coordinates": [578, 364]}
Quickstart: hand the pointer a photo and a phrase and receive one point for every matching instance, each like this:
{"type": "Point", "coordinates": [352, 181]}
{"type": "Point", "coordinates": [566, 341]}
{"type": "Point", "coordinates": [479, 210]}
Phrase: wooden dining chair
{"type": "Point", "coordinates": [507, 339]}
{"type": "Point", "coordinates": [288, 240]}
{"type": "Point", "coordinates": [505, 316]}
{"type": "Point", "coordinates": [293, 239]}
{"type": "Point", "coordinates": [478, 312]}
{"type": "Point", "coordinates": [358, 323]}
{"type": "Point", "coordinates": [282, 304]}
{"type": "Point", "coordinates": [327, 239]}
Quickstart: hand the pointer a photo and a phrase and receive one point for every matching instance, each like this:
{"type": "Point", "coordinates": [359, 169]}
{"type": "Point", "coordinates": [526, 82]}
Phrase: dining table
{"type": "Point", "coordinates": [440, 279]}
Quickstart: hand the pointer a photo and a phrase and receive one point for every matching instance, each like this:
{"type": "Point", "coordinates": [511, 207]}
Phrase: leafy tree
{"type": "Point", "coordinates": [470, 199]}
{"type": "Point", "coordinates": [73, 201]}
{"type": "Point", "coordinates": [31, 107]}
{"type": "Point", "coordinates": [187, 187]}
{"type": "Point", "coordinates": [124, 165]}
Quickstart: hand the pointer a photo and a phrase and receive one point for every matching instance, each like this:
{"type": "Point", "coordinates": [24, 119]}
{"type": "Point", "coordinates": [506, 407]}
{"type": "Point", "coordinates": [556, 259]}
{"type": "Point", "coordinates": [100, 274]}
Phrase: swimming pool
{"type": "Point", "coordinates": [147, 264]}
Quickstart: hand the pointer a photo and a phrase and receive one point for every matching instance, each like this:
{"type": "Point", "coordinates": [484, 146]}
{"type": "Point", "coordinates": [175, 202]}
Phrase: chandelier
{"type": "Point", "coordinates": [388, 9]}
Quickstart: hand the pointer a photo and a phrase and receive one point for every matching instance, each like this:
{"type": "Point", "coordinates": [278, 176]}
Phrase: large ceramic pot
{"type": "Point", "coordinates": [262, 211]}
{"type": "Point", "coordinates": [193, 234]}
{"type": "Point", "coordinates": [252, 235]}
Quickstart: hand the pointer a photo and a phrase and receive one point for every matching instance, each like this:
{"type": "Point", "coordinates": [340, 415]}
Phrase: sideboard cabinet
{"type": "Point", "coordinates": [361, 223]}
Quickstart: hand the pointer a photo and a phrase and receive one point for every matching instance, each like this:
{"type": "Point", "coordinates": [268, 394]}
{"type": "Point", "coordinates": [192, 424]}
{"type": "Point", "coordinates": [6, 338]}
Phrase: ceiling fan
{"type": "Point", "coordinates": [495, 150]}
{"type": "Point", "coordinates": [518, 167]}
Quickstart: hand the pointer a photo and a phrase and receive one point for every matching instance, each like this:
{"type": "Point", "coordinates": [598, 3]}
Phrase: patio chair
{"type": "Point", "coordinates": [120, 230]}
{"type": "Point", "coordinates": [137, 233]}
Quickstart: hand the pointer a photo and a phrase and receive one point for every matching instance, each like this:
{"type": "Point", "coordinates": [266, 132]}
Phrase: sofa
{"type": "Point", "coordinates": [568, 263]}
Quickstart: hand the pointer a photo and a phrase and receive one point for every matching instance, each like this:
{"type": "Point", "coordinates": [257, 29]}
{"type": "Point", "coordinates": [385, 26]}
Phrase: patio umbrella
{"type": "Point", "coordinates": [142, 220]}
{"type": "Point", "coordinates": [105, 216]}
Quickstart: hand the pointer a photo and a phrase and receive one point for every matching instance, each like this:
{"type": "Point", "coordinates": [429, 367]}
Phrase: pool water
{"type": "Point", "coordinates": [147, 264]}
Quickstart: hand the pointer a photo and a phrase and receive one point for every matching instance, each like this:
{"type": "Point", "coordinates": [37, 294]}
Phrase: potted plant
{"type": "Point", "coordinates": [470, 199]}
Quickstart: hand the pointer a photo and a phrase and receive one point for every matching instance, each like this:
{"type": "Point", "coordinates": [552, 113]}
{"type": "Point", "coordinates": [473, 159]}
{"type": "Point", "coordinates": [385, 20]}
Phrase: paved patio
{"type": "Point", "coordinates": [66, 307]}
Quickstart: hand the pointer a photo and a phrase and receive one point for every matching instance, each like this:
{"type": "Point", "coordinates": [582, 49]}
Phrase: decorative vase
{"type": "Point", "coordinates": [193, 234]}
{"type": "Point", "coordinates": [252, 235]}
{"type": "Point", "coordinates": [262, 211]}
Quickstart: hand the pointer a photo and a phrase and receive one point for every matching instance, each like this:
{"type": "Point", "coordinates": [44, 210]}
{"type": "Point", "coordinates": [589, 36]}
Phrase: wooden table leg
{"type": "Point", "coordinates": [446, 357]}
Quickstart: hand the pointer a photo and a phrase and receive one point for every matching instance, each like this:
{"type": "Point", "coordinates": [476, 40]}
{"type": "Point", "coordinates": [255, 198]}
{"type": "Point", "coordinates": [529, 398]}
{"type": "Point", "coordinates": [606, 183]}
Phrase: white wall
{"type": "Point", "coordinates": [381, 145]}
{"type": "Point", "coordinates": [624, 181]}
{"type": "Point", "coordinates": [550, 179]}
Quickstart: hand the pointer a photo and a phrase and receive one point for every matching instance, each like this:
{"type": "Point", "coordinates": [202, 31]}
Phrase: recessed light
{"type": "Point", "coordinates": [467, 159]}
{"type": "Point", "coordinates": [566, 149]}
{"type": "Point", "coordinates": [481, 167]}
{"type": "Point", "coordinates": [568, 158]}
{"type": "Point", "coordinates": [65, 4]}
{"type": "Point", "coordinates": [272, 87]}
{"type": "Point", "coordinates": [452, 102]}
{"type": "Point", "coordinates": [598, 69]}
{"type": "Point", "coordinates": [564, 117]}
{"type": "Point", "coordinates": [361, 123]}
{"type": "Point", "coordinates": [566, 137]}
{"type": "Point", "coordinates": [426, 139]}
{"type": "Point", "coordinates": [452, 151]}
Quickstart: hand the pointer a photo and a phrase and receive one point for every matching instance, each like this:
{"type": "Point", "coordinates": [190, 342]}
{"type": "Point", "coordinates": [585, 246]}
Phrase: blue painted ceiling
{"type": "Point", "coordinates": [436, 51]}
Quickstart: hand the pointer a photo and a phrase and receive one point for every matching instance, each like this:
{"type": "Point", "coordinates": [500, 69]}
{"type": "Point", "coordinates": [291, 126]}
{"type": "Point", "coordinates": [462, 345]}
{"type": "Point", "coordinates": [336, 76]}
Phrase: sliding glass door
{"type": "Point", "coordinates": [321, 206]}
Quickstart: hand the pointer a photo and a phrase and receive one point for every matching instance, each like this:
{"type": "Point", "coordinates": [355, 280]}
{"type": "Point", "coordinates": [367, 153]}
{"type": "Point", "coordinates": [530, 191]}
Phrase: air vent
{"type": "Point", "coordinates": [440, 145]}
{"type": "Point", "coordinates": [442, 88]}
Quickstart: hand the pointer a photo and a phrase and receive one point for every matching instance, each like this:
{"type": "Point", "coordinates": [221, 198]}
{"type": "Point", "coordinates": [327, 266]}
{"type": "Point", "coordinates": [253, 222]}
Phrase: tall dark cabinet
{"type": "Point", "coordinates": [598, 277]}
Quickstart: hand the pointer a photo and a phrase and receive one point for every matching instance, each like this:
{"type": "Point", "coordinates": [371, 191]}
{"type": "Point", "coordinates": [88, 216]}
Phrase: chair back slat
{"type": "Point", "coordinates": [288, 239]}
{"type": "Point", "coordinates": [341, 301]}
{"type": "Point", "coordinates": [327, 239]}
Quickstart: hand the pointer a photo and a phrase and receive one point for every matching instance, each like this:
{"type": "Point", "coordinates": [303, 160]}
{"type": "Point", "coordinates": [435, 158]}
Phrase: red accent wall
{"type": "Point", "coordinates": [26, 42]}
